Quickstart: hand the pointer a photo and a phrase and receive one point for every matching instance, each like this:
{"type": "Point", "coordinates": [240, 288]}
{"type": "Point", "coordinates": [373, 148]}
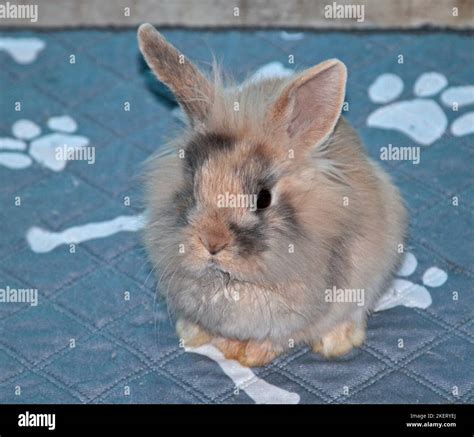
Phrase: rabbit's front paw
{"type": "Point", "coordinates": [191, 334]}
{"type": "Point", "coordinates": [340, 340]}
{"type": "Point", "coordinates": [248, 353]}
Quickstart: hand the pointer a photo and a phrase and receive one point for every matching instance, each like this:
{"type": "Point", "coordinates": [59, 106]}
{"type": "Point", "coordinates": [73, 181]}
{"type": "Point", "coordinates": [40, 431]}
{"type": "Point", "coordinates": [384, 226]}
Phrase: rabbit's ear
{"type": "Point", "coordinates": [310, 106]}
{"type": "Point", "coordinates": [192, 89]}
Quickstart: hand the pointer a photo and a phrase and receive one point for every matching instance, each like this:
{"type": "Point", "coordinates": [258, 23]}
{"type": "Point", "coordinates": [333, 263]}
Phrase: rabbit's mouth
{"type": "Point", "coordinates": [214, 266]}
{"type": "Point", "coordinates": [226, 276]}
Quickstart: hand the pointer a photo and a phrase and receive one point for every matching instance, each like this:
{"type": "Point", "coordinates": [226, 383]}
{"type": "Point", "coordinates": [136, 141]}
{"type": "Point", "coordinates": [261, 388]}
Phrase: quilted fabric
{"type": "Point", "coordinates": [99, 335]}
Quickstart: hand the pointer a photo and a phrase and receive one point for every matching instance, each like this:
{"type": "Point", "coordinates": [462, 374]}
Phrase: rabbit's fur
{"type": "Point", "coordinates": [254, 283]}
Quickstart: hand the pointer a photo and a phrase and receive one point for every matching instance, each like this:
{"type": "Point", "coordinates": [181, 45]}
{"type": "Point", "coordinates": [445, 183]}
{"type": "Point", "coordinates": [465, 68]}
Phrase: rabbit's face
{"type": "Point", "coordinates": [232, 208]}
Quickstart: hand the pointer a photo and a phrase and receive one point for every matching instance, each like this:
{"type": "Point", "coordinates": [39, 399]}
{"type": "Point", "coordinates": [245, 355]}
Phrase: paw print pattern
{"type": "Point", "coordinates": [422, 118]}
{"type": "Point", "coordinates": [17, 154]}
{"type": "Point", "coordinates": [22, 50]}
{"type": "Point", "coordinates": [406, 293]}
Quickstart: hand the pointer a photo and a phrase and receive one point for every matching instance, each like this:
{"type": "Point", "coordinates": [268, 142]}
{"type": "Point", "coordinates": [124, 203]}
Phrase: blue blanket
{"type": "Point", "coordinates": [79, 322]}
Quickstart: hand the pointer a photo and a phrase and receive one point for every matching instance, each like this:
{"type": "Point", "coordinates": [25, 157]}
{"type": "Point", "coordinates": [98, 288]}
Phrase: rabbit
{"type": "Point", "coordinates": [255, 282]}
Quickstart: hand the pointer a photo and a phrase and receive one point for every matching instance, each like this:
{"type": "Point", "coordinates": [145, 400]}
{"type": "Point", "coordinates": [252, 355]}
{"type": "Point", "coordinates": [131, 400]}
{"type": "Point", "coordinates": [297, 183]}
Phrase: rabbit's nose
{"type": "Point", "coordinates": [213, 244]}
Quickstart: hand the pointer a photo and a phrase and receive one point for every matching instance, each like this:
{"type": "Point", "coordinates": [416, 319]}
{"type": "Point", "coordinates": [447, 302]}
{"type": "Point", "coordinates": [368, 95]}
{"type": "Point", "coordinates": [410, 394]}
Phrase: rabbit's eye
{"type": "Point", "coordinates": [264, 199]}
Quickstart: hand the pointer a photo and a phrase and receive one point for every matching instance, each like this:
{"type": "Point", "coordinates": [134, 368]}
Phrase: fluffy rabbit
{"type": "Point", "coordinates": [256, 281]}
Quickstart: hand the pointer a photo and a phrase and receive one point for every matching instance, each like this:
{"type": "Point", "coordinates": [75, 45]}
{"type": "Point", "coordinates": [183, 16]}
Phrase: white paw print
{"type": "Point", "coordinates": [22, 50]}
{"type": "Point", "coordinates": [16, 153]}
{"type": "Point", "coordinates": [406, 293]}
{"type": "Point", "coordinates": [421, 118]}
